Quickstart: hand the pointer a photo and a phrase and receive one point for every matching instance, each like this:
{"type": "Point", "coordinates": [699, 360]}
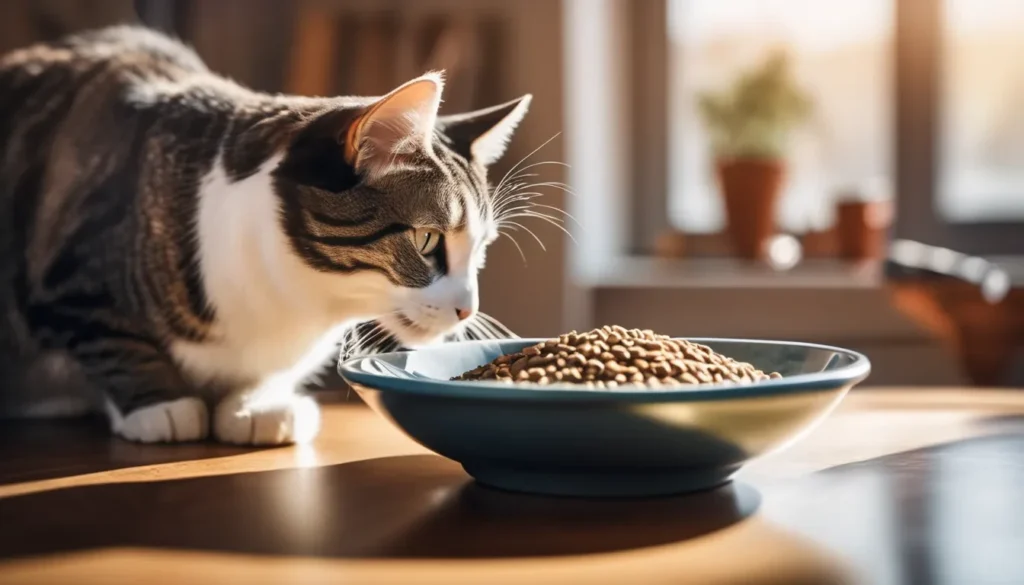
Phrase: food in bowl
{"type": "Point", "coordinates": [614, 356]}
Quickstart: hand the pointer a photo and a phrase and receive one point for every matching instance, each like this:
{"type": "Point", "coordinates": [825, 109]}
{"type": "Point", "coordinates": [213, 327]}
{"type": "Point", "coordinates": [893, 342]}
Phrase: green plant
{"type": "Point", "coordinates": [755, 115]}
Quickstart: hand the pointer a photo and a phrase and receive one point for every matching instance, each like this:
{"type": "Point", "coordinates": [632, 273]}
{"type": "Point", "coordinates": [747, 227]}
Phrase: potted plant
{"type": "Point", "coordinates": [749, 125]}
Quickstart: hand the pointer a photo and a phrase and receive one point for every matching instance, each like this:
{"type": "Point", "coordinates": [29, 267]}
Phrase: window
{"type": "Point", "coordinates": [842, 56]}
{"type": "Point", "coordinates": [982, 111]}
{"type": "Point", "coordinates": [954, 157]}
{"type": "Point", "coordinates": [921, 97]}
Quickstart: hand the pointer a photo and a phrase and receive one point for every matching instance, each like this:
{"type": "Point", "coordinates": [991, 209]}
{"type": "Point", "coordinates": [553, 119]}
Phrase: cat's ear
{"type": "Point", "coordinates": [483, 135]}
{"type": "Point", "coordinates": [400, 123]}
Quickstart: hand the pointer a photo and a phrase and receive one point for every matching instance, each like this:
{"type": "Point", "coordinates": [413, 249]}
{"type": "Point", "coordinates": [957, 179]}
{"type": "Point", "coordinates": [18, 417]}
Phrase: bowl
{"type": "Point", "coordinates": [569, 441]}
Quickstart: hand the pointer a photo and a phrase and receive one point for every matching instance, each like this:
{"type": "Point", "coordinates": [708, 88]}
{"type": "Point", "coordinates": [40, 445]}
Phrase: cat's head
{"type": "Point", "coordinates": [393, 201]}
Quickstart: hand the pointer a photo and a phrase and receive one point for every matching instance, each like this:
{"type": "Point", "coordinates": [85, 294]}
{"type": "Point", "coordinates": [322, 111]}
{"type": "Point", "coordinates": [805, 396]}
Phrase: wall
{"type": "Point", "coordinates": [27, 21]}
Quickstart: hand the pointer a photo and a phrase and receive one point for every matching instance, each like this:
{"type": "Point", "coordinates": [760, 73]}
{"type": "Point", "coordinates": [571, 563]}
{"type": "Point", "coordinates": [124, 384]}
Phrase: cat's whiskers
{"type": "Point", "coordinates": [526, 184]}
{"type": "Point", "coordinates": [516, 243]}
{"type": "Point", "coordinates": [362, 336]}
{"type": "Point", "coordinates": [519, 182]}
{"type": "Point", "coordinates": [497, 326]}
{"type": "Point", "coordinates": [532, 209]}
{"type": "Point", "coordinates": [521, 194]}
{"type": "Point", "coordinates": [556, 184]}
{"type": "Point", "coordinates": [364, 340]}
{"type": "Point", "coordinates": [486, 327]}
{"type": "Point", "coordinates": [506, 223]}
{"type": "Point", "coordinates": [555, 221]}
{"type": "Point", "coordinates": [516, 166]}
{"type": "Point", "coordinates": [513, 188]}
{"type": "Point", "coordinates": [553, 208]}
{"type": "Point", "coordinates": [528, 203]}
{"type": "Point", "coordinates": [529, 211]}
{"type": "Point", "coordinates": [512, 199]}
{"type": "Point", "coordinates": [474, 328]}
{"type": "Point", "coordinates": [520, 204]}
{"type": "Point", "coordinates": [366, 344]}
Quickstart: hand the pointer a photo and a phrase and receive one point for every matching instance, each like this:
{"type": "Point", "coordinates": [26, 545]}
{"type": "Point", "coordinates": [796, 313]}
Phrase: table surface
{"type": "Point", "coordinates": [898, 486]}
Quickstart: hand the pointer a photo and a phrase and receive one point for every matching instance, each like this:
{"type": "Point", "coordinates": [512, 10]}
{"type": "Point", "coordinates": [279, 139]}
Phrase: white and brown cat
{"type": "Point", "coordinates": [186, 251]}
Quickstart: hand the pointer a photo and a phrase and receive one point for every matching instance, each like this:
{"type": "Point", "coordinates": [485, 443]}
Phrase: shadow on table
{"type": "Point", "coordinates": [46, 449]}
{"type": "Point", "coordinates": [948, 513]}
{"type": "Point", "coordinates": [1006, 424]}
{"type": "Point", "coordinates": [399, 507]}
{"type": "Point", "coordinates": [32, 450]}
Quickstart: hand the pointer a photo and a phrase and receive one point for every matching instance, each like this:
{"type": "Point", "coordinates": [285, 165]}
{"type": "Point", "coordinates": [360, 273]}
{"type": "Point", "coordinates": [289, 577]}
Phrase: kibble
{"type": "Point", "coordinates": [612, 356]}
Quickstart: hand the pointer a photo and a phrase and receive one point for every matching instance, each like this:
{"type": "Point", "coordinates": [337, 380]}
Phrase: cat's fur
{"type": "Point", "coordinates": [185, 250]}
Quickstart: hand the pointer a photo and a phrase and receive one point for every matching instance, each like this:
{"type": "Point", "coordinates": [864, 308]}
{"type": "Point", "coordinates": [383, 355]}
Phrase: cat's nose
{"type": "Point", "coordinates": [463, 314]}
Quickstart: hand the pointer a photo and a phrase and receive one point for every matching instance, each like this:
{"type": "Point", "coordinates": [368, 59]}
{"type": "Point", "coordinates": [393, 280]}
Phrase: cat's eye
{"type": "Point", "coordinates": [426, 239]}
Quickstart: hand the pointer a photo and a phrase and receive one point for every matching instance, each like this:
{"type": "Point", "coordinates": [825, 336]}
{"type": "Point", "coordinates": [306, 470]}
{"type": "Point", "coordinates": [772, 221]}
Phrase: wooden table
{"type": "Point", "coordinates": [899, 486]}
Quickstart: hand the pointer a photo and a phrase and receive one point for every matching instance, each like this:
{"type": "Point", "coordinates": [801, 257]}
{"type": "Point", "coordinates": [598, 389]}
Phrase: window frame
{"type": "Point", "coordinates": [917, 66]}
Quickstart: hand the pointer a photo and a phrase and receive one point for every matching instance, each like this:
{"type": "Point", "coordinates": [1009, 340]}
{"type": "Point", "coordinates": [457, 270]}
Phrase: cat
{"type": "Point", "coordinates": [184, 251]}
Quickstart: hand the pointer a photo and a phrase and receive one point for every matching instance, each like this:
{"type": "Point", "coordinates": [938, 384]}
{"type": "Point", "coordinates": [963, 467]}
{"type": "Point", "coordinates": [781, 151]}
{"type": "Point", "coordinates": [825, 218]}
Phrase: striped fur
{"type": "Point", "coordinates": [186, 251]}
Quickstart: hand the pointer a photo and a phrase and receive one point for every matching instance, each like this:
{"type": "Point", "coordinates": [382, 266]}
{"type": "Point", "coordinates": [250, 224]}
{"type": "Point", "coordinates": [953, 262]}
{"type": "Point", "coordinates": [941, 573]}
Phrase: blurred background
{"type": "Point", "coordinates": [846, 173]}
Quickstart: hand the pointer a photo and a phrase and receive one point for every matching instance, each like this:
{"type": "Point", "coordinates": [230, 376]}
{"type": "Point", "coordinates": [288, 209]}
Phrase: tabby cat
{"type": "Point", "coordinates": [186, 251]}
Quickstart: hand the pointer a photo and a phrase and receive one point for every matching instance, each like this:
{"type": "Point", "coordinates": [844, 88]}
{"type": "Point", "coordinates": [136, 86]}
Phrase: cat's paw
{"type": "Point", "coordinates": [293, 420]}
{"type": "Point", "coordinates": [175, 421]}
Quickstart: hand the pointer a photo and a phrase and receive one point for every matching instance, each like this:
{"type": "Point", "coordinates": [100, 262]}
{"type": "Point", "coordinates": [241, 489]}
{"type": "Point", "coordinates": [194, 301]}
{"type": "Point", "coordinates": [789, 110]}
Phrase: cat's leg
{"type": "Point", "coordinates": [147, 398]}
{"type": "Point", "coordinates": [270, 413]}
{"type": "Point", "coordinates": [179, 420]}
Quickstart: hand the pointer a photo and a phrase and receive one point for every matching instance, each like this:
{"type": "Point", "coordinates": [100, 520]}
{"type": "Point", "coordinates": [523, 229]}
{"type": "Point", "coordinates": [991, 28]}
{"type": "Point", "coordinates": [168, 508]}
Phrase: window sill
{"type": "Point", "coordinates": [823, 301]}
{"type": "Point", "coordinates": [646, 272]}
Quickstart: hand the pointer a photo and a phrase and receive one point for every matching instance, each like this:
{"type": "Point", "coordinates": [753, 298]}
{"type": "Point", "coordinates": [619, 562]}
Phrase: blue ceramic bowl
{"type": "Point", "coordinates": [564, 440]}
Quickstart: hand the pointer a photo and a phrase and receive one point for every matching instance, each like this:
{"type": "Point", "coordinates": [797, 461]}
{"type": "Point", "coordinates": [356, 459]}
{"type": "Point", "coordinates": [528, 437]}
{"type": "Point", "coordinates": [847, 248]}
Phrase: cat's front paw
{"type": "Point", "coordinates": [175, 421]}
{"type": "Point", "coordinates": [294, 420]}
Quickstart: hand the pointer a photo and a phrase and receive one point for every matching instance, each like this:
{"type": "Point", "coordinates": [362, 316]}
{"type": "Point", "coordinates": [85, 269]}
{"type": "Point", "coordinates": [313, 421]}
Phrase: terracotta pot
{"type": "Point", "coordinates": [750, 188]}
{"type": "Point", "coordinates": [671, 244]}
{"type": "Point", "coordinates": [820, 243]}
{"type": "Point", "coordinates": [861, 227]}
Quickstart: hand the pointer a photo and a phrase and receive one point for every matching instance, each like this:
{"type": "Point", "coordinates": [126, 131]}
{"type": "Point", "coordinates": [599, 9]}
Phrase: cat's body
{"type": "Point", "coordinates": [185, 251]}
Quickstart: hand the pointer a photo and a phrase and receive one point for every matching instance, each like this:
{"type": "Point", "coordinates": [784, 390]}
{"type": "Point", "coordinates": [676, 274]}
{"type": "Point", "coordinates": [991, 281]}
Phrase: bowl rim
{"type": "Point", "coordinates": [848, 375]}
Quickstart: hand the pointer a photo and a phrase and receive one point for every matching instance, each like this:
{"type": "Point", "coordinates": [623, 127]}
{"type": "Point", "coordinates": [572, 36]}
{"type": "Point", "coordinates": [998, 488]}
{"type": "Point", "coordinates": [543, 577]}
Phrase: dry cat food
{"type": "Point", "coordinates": [613, 356]}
